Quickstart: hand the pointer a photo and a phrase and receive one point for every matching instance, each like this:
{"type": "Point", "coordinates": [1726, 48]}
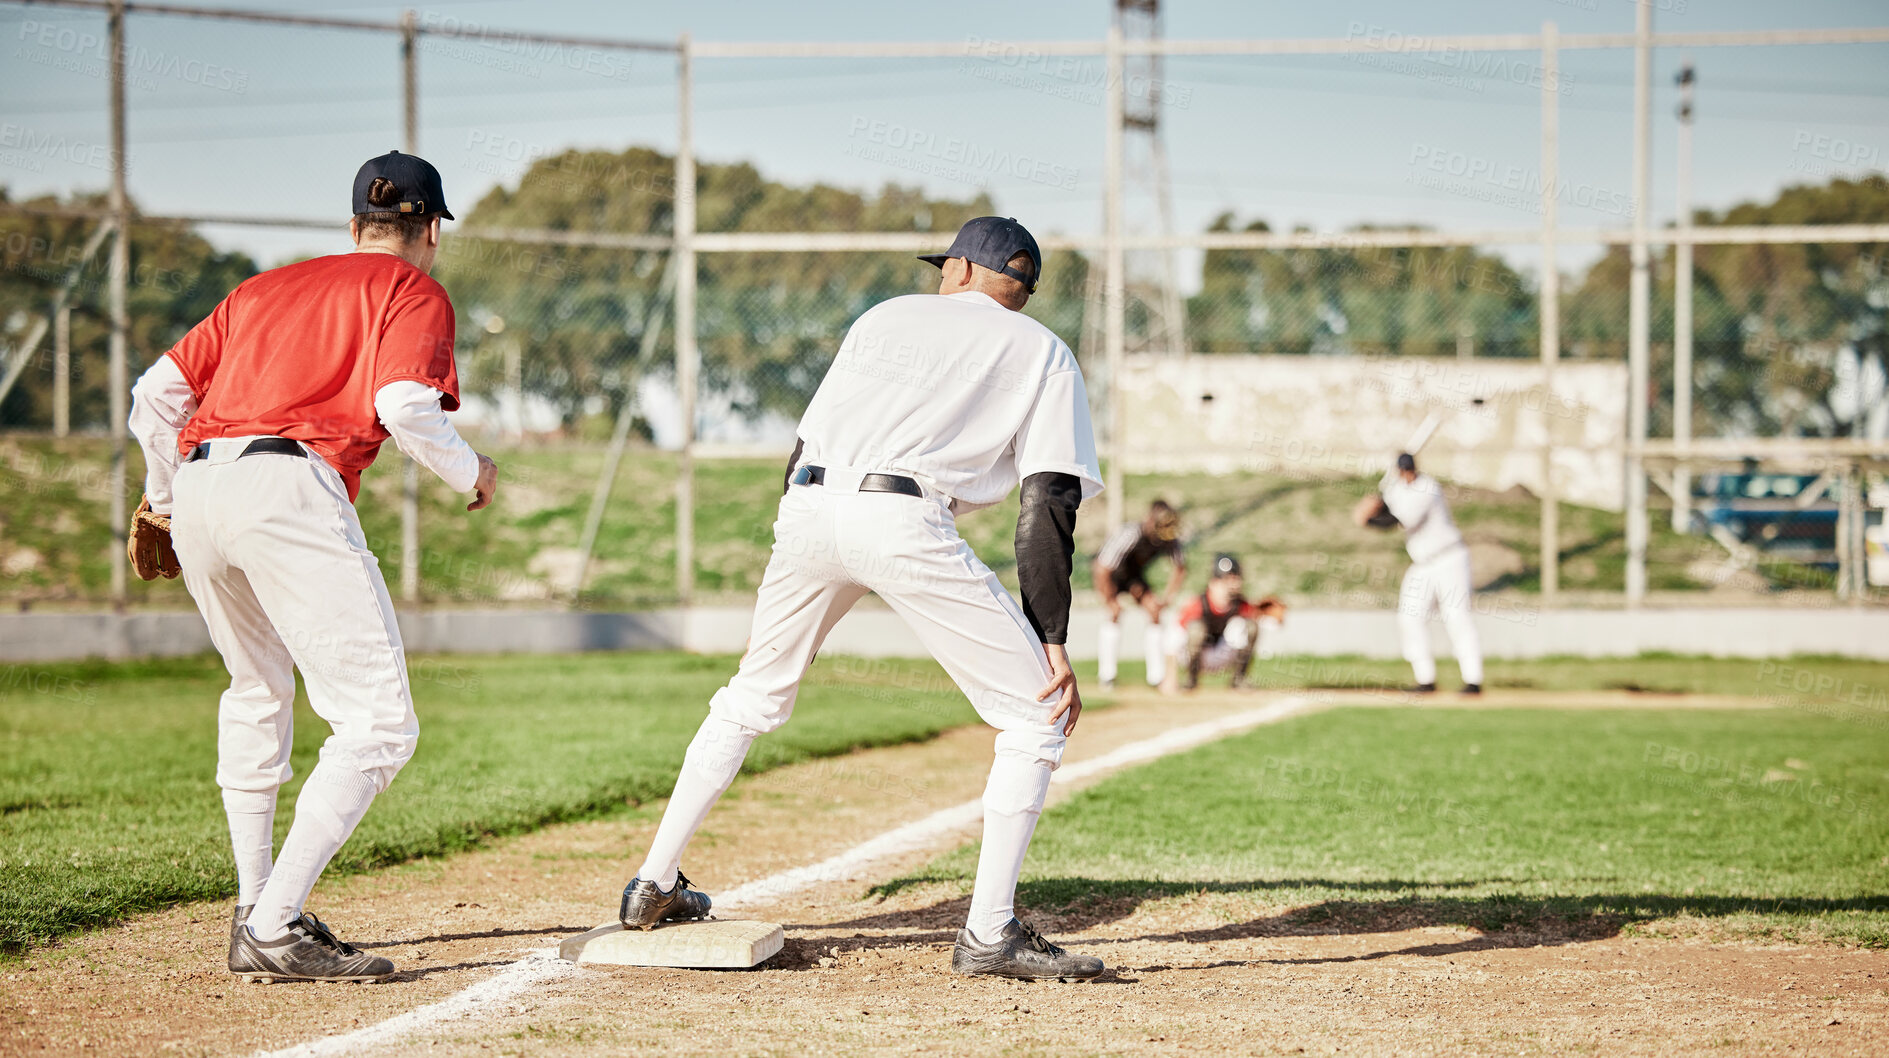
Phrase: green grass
{"type": "Point", "coordinates": [108, 803]}
{"type": "Point", "coordinates": [1760, 823]}
{"type": "Point", "coordinates": [1295, 535]}
{"type": "Point", "coordinates": [1831, 684]}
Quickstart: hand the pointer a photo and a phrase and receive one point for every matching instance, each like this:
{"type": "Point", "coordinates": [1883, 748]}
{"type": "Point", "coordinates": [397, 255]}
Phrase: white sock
{"type": "Point", "coordinates": [252, 837]}
{"type": "Point", "coordinates": [1013, 802]}
{"type": "Point", "coordinates": [1154, 646]}
{"type": "Point", "coordinates": [711, 764]}
{"type": "Point", "coordinates": [1107, 651]}
{"type": "Point", "coordinates": [330, 806]}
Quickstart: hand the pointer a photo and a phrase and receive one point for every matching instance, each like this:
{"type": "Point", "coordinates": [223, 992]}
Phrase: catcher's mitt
{"type": "Point", "coordinates": [1371, 513]}
{"type": "Point", "coordinates": [148, 544]}
{"type": "Point", "coordinates": [1271, 606]}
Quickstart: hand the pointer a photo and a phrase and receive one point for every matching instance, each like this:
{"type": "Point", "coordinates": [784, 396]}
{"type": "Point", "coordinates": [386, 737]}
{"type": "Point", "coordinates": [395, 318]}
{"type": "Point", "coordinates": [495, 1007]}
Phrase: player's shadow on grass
{"type": "Point", "coordinates": [1504, 920]}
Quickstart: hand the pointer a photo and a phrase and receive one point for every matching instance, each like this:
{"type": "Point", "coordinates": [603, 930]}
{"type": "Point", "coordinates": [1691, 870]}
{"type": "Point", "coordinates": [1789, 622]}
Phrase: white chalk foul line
{"type": "Point", "coordinates": [544, 965]}
{"type": "Point", "coordinates": [532, 970]}
{"type": "Point", "coordinates": [926, 831]}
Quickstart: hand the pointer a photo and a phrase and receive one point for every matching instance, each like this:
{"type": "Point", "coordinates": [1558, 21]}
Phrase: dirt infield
{"type": "Point", "coordinates": [1205, 973]}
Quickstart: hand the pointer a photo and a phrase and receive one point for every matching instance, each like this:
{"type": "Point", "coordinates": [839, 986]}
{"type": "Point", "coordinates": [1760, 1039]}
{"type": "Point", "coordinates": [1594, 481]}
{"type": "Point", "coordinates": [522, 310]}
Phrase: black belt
{"type": "Point", "coordinates": [274, 446]}
{"type": "Point", "coordinates": [899, 483]}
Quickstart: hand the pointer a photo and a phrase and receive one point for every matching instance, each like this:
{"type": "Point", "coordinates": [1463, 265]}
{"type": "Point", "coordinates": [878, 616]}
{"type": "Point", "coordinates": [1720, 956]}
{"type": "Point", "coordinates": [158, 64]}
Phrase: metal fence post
{"type": "Point", "coordinates": [1682, 310]}
{"type": "Point", "coordinates": [119, 380]}
{"type": "Point", "coordinates": [410, 471]}
{"type": "Point", "coordinates": [1549, 310]}
{"type": "Point", "coordinates": [687, 355]}
{"type": "Point", "coordinates": [1639, 298]}
{"type": "Point", "coordinates": [62, 372]}
{"type": "Point", "coordinates": [1114, 298]}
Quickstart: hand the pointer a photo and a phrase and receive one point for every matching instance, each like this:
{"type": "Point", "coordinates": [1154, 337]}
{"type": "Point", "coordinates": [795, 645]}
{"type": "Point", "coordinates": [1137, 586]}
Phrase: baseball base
{"type": "Point", "coordinates": [715, 944]}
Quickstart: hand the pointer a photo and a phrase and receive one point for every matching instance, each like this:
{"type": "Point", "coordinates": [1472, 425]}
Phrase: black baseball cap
{"type": "Point", "coordinates": [1406, 461]}
{"type": "Point", "coordinates": [1225, 565]}
{"type": "Point", "coordinates": [414, 176]}
{"type": "Point", "coordinates": [992, 242]}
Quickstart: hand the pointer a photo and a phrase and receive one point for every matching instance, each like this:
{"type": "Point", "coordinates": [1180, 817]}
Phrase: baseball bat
{"type": "Point", "coordinates": [1424, 430]}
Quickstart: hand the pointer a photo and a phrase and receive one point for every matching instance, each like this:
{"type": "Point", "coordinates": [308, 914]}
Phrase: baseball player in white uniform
{"type": "Point", "coordinates": [935, 405]}
{"type": "Point", "coordinates": [1121, 568]}
{"type": "Point", "coordinates": [255, 429]}
{"type": "Point", "coordinates": [1438, 577]}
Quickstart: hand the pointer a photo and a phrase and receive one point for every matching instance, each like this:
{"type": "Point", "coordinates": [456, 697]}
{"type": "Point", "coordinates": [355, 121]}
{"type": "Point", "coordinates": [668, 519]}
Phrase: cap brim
{"type": "Point", "coordinates": [935, 259]}
{"type": "Point", "coordinates": [448, 214]}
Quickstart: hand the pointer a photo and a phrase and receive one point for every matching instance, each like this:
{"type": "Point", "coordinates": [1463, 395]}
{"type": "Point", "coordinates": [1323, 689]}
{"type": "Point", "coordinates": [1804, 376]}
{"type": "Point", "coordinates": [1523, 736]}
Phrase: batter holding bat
{"type": "Point", "coordinates": [935, 405]}
{"type": "Point", "coordinates": [255, 429]}
{"type": "Point", "coordinates": [1438, 578]}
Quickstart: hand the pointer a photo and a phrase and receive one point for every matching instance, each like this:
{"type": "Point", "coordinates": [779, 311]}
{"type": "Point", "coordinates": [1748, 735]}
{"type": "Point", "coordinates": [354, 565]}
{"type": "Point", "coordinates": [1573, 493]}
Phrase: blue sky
{"type": "Point", "coordinates": [273, 120]}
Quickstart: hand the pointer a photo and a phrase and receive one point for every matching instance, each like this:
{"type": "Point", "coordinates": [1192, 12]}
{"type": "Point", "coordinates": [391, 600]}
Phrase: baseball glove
{"type": "Point", "coordinates": [1371, 513]}
{"type": "Point", "coordinates": [1272, 607]}
{"type": "Point", "coordinates": [148, 544]}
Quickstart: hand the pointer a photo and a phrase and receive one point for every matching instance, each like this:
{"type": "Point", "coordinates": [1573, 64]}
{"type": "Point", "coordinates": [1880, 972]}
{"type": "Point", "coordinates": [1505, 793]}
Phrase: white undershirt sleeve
{"type": "Point", "coordinates": [412, 414]}
{"type": "Point", "coordinates": [161, 403]}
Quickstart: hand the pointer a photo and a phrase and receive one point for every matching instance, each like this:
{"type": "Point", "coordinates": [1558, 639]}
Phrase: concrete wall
{"type": "Point", "coordinates": [1345, 416]}
{"type": "Point", "coordinates": [873, 631]}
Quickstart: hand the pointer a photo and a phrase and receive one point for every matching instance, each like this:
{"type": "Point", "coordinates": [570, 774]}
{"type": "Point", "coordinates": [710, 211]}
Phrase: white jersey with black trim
{"type": "Point", "coordinates": [1425, 515]}
{"type": "Point", "coordinates": [957, 391]}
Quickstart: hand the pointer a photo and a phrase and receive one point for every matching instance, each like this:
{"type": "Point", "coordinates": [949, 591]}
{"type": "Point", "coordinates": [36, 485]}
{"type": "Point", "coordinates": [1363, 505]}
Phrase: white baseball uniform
{"type": "Point", "coordinates": [1126, 555]}
{"type": "Point", "coordinates": [967, 398]}
{"type": "Point", "coordinates": [1438, 577]}
{"type": "Point", "coordinates": [334, 354]}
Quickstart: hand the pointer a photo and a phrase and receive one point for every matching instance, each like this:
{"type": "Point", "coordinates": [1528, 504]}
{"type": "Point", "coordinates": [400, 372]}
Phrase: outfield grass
{"type": "Point", "coordinates": [108, 803]}
{"type": "Point", "coordinates": [1836, 686]}
{"type": "Point", "coordinates": [1761, 823]}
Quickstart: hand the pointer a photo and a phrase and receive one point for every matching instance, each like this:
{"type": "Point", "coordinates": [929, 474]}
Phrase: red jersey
{"type": "Point", "coordinates": [299, 352]}
{"type": "Point", "coordinates": [1199, 608]}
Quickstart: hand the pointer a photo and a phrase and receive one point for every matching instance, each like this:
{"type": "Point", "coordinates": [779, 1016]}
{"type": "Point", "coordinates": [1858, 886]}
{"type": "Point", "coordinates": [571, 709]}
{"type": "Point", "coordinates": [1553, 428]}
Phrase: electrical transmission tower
{"type": "Point", "coordinates": [1157, 321]}
{"type": "Point", "coordinates": [1148, 201]}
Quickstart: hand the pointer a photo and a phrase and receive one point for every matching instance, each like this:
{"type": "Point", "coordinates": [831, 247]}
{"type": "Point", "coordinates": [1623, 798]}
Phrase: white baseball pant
{"type": "Point", "coordinates": [1153, 645]}
{"type": "Point", "coordinates": [274, 556]}
{"type": "Point", "coordinates": [832, 545]}
{"type": "Point", "coordinates": [1441, 583]}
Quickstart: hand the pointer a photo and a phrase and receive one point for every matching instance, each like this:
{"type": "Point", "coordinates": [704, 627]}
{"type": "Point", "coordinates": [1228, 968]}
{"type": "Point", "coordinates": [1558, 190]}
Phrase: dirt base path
{"type": "Point", "coordinates": [1203, 974]}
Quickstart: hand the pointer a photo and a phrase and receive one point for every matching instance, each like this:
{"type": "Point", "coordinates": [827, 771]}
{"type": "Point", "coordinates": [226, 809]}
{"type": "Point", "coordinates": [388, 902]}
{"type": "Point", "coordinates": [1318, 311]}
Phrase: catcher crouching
{"type": "Point", "coordinates": [1219, 630]}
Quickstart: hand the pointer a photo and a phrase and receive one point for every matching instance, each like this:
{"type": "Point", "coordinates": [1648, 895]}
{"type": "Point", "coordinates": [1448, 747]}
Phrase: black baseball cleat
{"type": "Point", "coordinates": [1421, 688]}
{"type": "Point", "coordinates": [1472, 688]}
{"type": "Point", "coordinates": [308, 952]}
{"type": "Point", "coordinates": [1024, 953]}
{"type": "Point", "coordinates": [646, 907]}
{"type": "Point", "coordinates": [238, 919]}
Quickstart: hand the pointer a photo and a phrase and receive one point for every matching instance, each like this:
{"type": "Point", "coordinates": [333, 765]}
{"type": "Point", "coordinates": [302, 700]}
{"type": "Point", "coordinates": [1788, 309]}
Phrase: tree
{"type": "Point", "coordinates": [1776, 327]}
{"type": "Point", "coordinates": [1407, 301]}
{"type": "Point", "coordinates": [769, 323]}
{"type": "Point", "coordinates": [176, 278]}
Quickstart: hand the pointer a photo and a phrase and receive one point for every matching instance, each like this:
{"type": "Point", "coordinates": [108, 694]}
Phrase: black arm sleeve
{"type": "Point", "coordinates": [1046, 545]}
{"type": "Point", "coordinates": [787, 479]}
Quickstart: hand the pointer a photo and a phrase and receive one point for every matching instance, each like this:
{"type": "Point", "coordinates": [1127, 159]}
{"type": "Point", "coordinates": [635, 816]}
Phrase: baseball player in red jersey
{"type": "Point", "coordinates": [255, 428]}
{"type": "Point", "coordinates": [1219, 630]}
{"type": "Point", "coordinates": [934, 405]}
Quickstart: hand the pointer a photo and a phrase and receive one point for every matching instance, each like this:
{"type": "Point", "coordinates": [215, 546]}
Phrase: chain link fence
{"type": "Point", "coordinates": [566, 287]}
